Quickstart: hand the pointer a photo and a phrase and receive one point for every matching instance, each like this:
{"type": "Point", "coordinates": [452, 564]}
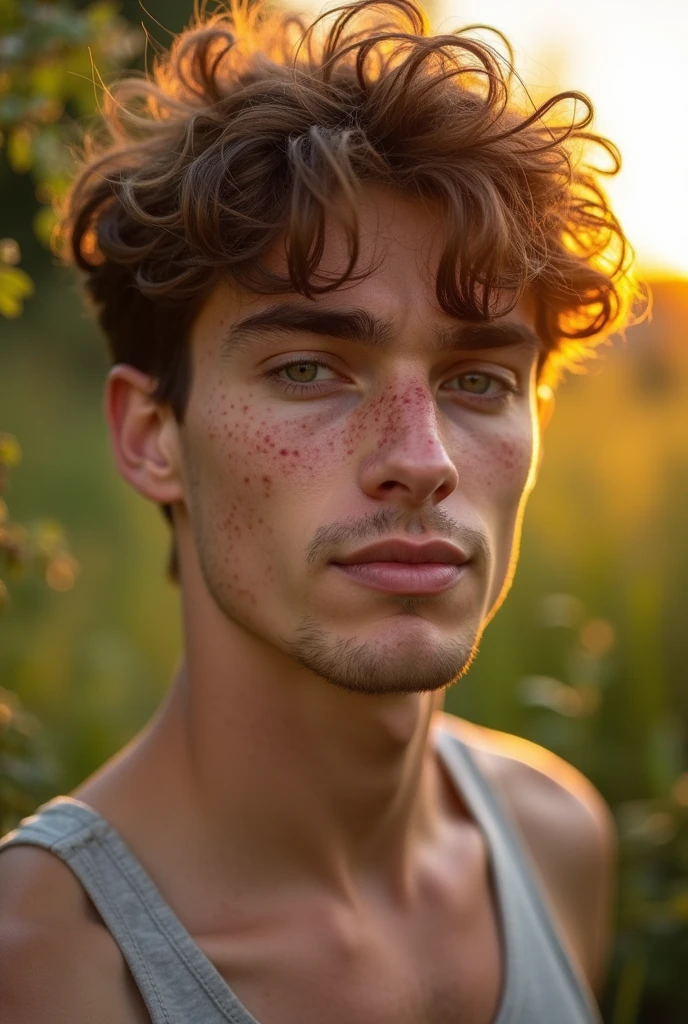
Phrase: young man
{"type": "Point", "coordinates": [336, 273]}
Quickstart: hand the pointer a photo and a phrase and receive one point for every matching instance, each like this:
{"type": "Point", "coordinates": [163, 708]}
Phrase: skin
{"type": "Point", "coordinates": [305, 703]}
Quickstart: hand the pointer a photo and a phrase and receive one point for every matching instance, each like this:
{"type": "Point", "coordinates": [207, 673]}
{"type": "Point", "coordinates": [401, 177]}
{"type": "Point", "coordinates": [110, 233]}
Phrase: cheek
{"type": "Point", "coordinates": [501, 464]}
{"type": "Point", "coordinates": [266, 451]}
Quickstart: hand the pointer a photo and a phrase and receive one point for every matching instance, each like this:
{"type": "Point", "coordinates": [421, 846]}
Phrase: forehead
{"type": "Point", "coordinates": [401, 242]}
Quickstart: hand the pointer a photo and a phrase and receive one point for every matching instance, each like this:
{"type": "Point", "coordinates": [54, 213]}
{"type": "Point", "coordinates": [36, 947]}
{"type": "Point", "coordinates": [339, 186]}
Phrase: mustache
{"type": "Point", "coordinates": [389, 520]}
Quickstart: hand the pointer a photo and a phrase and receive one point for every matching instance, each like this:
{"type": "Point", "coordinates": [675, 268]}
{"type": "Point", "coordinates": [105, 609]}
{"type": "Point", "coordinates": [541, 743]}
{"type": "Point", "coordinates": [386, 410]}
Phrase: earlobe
{"type": "Point", "coordinates": [143, 435]}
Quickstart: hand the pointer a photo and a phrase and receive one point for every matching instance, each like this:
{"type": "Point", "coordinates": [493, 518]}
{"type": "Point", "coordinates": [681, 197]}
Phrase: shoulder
{"type": "Point", "coordinates": [54, 950]}
{"type": "Point", "coordinates": [568, 831]}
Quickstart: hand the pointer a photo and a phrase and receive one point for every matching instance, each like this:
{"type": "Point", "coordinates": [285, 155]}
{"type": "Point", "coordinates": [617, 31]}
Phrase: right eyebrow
{"type": "Point", "coordinates": [357, 325]}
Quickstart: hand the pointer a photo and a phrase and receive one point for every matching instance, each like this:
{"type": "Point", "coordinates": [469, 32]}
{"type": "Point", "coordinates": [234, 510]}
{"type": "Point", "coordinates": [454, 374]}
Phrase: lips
{"type": "Point", "coordinates": [438, 551]}
{"type": "Point", "coordinates": [399, 567]}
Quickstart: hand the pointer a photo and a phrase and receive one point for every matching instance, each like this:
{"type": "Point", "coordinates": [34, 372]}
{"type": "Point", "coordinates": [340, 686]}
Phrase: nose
{"type": "Point", "coordinates": [411, 465]}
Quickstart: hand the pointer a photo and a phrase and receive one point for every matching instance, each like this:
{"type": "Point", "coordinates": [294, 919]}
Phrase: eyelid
{"type": "Point", "coordinates": [502, 375]}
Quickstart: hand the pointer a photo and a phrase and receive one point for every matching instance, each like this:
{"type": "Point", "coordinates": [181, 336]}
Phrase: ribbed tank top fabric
{"type": "Point", "coordinates": [179, 984]}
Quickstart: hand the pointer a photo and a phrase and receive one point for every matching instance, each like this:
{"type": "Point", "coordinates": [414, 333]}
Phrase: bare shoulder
{"type": "Point", "coordinates": [568, 830]}
{"type": "Point", "coordinates": [55, 951]}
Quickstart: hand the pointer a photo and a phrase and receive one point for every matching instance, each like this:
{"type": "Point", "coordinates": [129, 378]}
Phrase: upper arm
{"type": "Point", "coordinates": [569, 833]}
{"type": "Point", "coordinates": [56, 962]}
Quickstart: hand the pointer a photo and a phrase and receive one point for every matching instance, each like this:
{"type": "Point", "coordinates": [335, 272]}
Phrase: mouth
{"type": "Point", "coordinates": [404, 577]}
{"type": "Point", "coordinates": [398, 567]}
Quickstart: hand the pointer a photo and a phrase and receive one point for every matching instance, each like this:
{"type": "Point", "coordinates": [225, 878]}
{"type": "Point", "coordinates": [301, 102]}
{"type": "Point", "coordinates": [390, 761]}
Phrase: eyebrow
{"type": "Point", "coordinates": [362, 327]}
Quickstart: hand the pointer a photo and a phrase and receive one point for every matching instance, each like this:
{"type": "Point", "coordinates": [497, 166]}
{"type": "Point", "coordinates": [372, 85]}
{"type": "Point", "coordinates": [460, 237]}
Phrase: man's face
{"type": "Point", "coordinates": [317, 428]}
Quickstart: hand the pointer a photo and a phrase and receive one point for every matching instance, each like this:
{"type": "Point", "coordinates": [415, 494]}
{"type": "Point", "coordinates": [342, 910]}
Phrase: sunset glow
{"type": "Point", "coordinates": [629, 57]}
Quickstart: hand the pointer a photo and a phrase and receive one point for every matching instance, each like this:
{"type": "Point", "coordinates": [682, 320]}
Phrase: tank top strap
{"type": "Point", "coordinates": [521, 900]}
{"type": "Point", "coordinates": [177, 981]}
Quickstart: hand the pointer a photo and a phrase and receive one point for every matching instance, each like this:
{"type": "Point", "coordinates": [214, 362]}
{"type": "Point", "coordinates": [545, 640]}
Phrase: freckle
{"type": "Point", "coordinates": [266, 479]}
{"type": "Point", "coordinates": [350, 451]}
{"type": "Point", "coordinates": [267, 439]}
{"type": "Point", "coordinates": [246, 479]}
{"type": "Point", "coordinates": [260, 522]}
{"type": "Point", "coordinates": [283, 451]}
{"type": "Point", "coordinates": [295, 452]}
{"type": "Point", "coordinates": [244, 408]}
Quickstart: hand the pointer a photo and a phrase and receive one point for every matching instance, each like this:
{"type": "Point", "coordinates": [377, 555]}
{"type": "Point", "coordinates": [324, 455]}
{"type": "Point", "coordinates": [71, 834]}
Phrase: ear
{"type": "Point", "coordinates": [545, 408]}
{"type": "Point", "coordinates": [144, 435]}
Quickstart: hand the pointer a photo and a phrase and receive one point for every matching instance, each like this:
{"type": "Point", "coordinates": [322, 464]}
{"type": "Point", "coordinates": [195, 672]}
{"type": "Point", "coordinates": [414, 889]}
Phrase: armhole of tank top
{"type": "Point", "coordinates": [505, 824]}
{"type": "Point", "coordinates": [67, 846]}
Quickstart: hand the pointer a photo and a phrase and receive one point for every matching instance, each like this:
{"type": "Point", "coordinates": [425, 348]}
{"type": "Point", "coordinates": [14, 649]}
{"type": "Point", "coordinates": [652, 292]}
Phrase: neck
{"type": "Point", "coordinates": [324, 783]}
{"type": "Point", "coordinates": [259, 777]}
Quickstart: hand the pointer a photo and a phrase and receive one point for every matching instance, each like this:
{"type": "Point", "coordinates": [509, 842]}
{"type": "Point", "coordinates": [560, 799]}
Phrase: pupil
{"type": "Point", "coordinates": [477, 383]}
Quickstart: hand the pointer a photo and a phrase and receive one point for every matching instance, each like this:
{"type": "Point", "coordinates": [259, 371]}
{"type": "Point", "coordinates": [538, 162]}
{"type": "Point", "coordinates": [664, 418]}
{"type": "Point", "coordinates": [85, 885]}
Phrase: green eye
{"type": "Point", "coordinates": [475, 383]}
{"type": "Point", "coordinates": [301, 373]}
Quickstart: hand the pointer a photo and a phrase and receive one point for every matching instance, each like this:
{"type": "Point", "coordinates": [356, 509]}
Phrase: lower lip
{"type": "Point", "coordinates": [404, 577]}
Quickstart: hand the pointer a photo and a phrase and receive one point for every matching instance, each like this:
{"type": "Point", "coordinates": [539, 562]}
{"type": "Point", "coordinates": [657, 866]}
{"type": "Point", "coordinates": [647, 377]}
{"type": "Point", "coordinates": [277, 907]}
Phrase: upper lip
{"type": "Point", "coordinates": [402, 551]}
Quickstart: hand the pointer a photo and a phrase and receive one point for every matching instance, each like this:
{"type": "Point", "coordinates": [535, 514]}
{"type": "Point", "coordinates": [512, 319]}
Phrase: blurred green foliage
{"type": "Point", "coordinates": [46, 82]}
{"type": "Point", "coordinates": [587, 656]}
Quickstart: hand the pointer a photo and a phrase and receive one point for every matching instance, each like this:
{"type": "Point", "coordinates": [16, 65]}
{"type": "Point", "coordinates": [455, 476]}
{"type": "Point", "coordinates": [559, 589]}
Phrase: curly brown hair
{"type": "Point", "coordinates": [255, 126]}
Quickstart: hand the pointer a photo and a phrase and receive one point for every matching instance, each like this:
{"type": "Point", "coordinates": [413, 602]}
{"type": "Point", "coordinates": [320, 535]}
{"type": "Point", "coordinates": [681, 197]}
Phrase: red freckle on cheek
{"type": "Point", "coordinates": [283, 451]}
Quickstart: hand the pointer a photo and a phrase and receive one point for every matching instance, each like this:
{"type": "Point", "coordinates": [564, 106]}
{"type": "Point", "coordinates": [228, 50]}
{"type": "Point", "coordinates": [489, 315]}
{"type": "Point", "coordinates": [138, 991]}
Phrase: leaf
{"type": "Point", "coordinates": [10, 452]}
{"type": "Point", "coordinates": [20, 150]}
{"type": "Point", "coordinates": [15, 286]}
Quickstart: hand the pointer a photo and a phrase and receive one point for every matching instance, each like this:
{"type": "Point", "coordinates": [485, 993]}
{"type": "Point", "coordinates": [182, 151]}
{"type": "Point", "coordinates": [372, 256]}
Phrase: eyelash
{"type": "Point", "coordinates": [293, 387]}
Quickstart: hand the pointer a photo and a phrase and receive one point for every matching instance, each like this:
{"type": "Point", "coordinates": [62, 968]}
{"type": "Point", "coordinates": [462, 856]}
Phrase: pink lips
{"type": "Point", "coordinates": [398, 567]}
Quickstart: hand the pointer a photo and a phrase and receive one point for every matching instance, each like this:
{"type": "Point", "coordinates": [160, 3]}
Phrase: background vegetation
{"type": "Point", "coordinates": [587, 657]}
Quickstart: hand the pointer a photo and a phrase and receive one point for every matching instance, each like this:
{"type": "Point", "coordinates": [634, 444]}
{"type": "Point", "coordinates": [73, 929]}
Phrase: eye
{"type": "Point", "coordinates": [303, 376]}
{"type": "Point", "coordinates": [476, 383]}
{"type": "Point", "coordinates": [302, 373]}
{"type": "Point", "coordinates": [484, 386]}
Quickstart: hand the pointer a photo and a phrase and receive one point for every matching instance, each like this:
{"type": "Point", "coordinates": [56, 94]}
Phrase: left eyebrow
{"type": "Point", "coordinates": [364, 328]}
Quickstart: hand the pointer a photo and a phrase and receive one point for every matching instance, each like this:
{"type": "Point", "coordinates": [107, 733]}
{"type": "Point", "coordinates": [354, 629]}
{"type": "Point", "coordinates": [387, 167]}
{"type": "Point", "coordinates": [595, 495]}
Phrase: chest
{"type": "Point", "coordinates": [441, 962]}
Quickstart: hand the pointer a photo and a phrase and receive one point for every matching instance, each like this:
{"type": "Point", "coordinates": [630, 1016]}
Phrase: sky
{"type": "Point", "coordinates": [630, 58]}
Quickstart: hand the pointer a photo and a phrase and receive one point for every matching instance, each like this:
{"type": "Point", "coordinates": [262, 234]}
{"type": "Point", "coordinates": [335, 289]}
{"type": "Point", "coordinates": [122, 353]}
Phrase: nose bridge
{"type": "Point", "coordinates": [411, 419]}
{"type": "Point", "coordinates": [410, 461]}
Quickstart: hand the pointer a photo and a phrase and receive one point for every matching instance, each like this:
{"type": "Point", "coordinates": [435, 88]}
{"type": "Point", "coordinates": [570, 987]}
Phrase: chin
{"type": "Point", "coordinates": [404, 662]}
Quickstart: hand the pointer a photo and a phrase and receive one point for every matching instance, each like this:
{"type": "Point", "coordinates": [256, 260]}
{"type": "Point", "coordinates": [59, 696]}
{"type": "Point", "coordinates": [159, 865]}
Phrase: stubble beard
{"type": "Point", "coordinates": [369, 667]}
